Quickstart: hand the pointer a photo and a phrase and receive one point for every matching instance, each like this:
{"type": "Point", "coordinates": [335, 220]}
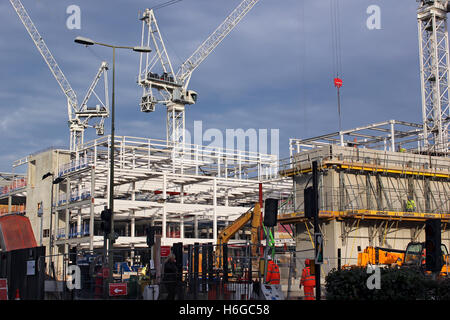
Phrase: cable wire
{"type": "Point", "coordinates": [165, 4]}
{"type": "Point", "coordinates": [336, 49]}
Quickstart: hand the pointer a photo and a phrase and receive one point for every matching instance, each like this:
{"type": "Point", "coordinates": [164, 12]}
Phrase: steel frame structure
{"type": "Point", "coordinates": [163, 185]}
{"type": "Point", "coordinates": [387, 135]}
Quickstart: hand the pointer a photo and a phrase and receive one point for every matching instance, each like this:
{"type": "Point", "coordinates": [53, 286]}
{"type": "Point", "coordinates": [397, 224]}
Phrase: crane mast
{"type": "Point", "coordinates": [169, 88]}
{"type": "Point", "coordinates": [78, 118]}
{"type": "Point", "coordinates": [434, 73]}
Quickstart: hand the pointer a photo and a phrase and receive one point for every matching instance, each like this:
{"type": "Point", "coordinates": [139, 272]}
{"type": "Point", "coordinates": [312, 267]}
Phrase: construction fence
{"type": "Point", "coordinates": [201, 273]}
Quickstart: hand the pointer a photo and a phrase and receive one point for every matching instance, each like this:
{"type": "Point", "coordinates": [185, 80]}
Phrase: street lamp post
{"type": "Point", "coordinates": [54, 181]}
{"type": "Point", "coordinates": [89, 42]}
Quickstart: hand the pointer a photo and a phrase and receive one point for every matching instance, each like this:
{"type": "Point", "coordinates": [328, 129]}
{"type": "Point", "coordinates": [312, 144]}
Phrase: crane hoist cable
{"type": "Point", "coordinates": [336, 36]}
{"type": "Point", "coordinates": [336, 51]}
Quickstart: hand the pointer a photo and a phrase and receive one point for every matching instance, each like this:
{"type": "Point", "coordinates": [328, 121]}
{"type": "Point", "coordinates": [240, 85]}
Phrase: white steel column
{"type": "Point", "coordinates": [133, 226]}
{"type": "Point", "coordinates": [79, 224]}
{"type": "Point", "coordinates": [67, 218]}
{"type": "Point", "coordinates": [215, 211]}
{"type": "Point", "coordinates": [182, 227]}
{"type": "Point", "coordinates": [164, 217]}
{"type": "Point", "coordinates": [226, 198]}
{"type": "Point", "coordinates": [182, 217]}
{"type": "Point", "coordinates": [133, 213]}
{"type": "Point", "coordinates": [92, 211]}
{"type": "Point", "coordinates": [9, 203]}
{"type": "Point", "coordinates": [196, 227]}
{"type": "Point", "coordinates": [392, 136]}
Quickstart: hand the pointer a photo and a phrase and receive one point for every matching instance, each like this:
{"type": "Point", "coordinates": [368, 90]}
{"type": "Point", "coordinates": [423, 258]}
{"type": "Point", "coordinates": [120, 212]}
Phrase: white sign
{"type": "Point", "coordinates": [31, 268]}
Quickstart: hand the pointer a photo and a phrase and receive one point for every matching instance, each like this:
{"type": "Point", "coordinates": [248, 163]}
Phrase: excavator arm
{"type": "Point", "coordinates": [225, 235]}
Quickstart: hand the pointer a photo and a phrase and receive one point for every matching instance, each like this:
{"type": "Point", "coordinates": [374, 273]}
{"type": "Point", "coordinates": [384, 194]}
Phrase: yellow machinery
{"type": "Point", "coordinates": [414, 255]}
{"type": "Point", "coordinates": [225, 235]}
{"type": "Point", "coordinates": [376, 255]}
{"type": "Point", "coordinates": [416, 252]}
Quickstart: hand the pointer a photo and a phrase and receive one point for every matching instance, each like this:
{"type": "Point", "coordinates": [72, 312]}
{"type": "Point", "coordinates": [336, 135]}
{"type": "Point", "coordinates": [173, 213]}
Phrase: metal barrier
{"type": "Point", "coordinates": [200, 273]}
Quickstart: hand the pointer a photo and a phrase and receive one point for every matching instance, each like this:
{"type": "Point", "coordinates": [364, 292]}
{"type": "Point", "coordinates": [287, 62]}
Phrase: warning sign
{"type": "Point", "coordinates": [3, 289]}
{"type": "Point", "coordinates": [118, 289]}
{"type": "Point", "coordinates": [165, 251]}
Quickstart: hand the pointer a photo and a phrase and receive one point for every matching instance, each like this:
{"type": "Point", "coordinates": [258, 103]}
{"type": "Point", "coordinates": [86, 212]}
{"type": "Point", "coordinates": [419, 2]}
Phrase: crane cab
{"type": "Point", "coordinates": [191, 97]}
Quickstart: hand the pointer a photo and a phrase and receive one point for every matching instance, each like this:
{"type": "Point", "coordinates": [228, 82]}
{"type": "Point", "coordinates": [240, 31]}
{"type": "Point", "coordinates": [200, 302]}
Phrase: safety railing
{"type": "Point", "coordinates": [368, 157]}
{"type": "Point", "coordinates": [18, 209]}
{"type": "Point", "coordinates": [73, 166]}
{"type": "Point", "coordinates": [161, 155]}
{"type": "Point", "coordinates": [14, 186]}
{"type": "Point", "coordinates": [74, 196]}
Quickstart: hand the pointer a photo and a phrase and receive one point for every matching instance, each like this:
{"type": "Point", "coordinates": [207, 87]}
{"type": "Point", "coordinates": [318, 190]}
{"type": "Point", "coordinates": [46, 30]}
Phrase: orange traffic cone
{"type": "Point", "coordinates": [17, 295]}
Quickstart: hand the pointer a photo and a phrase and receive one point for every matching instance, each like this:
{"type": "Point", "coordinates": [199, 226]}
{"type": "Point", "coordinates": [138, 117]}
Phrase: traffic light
{"type": "Point", "coordinates": [106, 221]}
{"type": "Point", "coordinates": [318, 246]}
{"type": "Point", "coordinates": [270, 212]}
{"type": "Point", "coordinates": [150, 232]}
{"type": "Point", "coordinates": [73, 256]}
{"type": "Point", "coordinates": [433, 258]}
{"type": "Point", "coordinates": [310, 203]}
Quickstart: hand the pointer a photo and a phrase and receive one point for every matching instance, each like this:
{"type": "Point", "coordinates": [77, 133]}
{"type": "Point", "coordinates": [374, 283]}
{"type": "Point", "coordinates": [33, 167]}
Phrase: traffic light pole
{"type": "Point", "coordinates": [111, 175]}
{"type": "Point", "coordinates": [316, 224]}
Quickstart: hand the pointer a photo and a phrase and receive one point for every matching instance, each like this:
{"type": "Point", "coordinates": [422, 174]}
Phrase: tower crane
{"type": "Point", "coordinates": [434, 73]}
{"type": "Point", "coordinates": [169, 88]}
{"type": "Point", "coordinates": [79, 116]}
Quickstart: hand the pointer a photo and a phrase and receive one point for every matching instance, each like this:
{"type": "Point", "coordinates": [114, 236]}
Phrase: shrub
{"type": "Point", "coordinates": [395, 284]}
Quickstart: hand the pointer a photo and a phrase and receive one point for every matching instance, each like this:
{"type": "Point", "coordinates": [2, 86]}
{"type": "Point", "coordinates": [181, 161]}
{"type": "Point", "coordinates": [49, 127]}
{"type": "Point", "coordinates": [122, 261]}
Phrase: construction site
{"type": "Point", "coordinates": [118, 207]}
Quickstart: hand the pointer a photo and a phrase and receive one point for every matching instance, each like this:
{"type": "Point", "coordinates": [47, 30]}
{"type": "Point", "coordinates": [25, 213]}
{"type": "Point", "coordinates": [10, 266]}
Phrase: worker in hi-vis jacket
{"type": "Point", "coordinates": [308, 281]}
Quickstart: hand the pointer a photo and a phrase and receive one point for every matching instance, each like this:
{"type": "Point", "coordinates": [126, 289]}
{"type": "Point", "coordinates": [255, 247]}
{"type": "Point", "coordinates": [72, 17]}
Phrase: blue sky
{"type": "Point", "coordinates": [274, 71]}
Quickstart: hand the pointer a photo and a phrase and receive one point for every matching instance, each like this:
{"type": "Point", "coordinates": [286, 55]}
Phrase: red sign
{"type": "Point", "coordinates": [165, 251]}
{"type": "Point", "coordinates": [337, 82]}
{"type": "Point", "coordinates": [118, 289]}
{"type": "Point", "coordinates": [3, 289]}
{"type": "Point", "coordinates": [105, 272]}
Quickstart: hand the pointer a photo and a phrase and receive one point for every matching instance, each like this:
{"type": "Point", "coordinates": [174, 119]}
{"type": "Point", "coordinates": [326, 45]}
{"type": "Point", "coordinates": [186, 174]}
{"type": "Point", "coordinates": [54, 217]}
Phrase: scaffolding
{"type": "Point", "coordinates": [12, 193]}
{"type": "Point", "coordinates": [371, 178]}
